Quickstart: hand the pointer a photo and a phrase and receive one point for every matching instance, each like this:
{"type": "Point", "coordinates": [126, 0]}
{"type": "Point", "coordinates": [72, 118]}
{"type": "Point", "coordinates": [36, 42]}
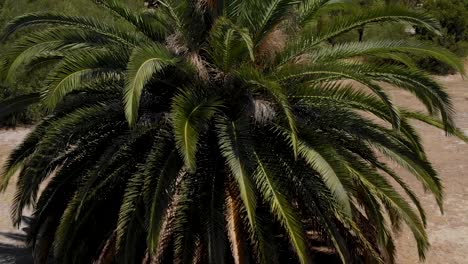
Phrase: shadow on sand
{"type": "Point", "coordinates": [14, 251]}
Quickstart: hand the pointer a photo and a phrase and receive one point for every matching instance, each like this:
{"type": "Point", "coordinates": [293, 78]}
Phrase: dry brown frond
{"type": "Point", "coordinates": [272, 44]}
{"type": "Point", "coordinates": [176, 44]}
{"type": "Point", "coordinates": [263, 111]}
{"type": "Point", "coordinates": [199, 64]}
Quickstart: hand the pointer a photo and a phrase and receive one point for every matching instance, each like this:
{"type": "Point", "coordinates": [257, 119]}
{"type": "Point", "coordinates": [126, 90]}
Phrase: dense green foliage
{"type": "Point", "coordinates": [222, 132]}
{"type": "Point", "coordinates": [30, 82]}
{"type": "Point", "coordinates": [453, 17]}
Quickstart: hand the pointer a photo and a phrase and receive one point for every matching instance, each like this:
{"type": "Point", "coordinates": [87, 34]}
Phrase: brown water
{"type": "Point", "coordinates": [448, 233]}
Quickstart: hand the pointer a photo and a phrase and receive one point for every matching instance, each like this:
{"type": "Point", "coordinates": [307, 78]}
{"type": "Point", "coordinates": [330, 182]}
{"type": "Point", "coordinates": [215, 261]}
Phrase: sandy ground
{"type": "Point", "coordinates": [12, 249]}
{"type": "Point", "coordinates": [448, 233]}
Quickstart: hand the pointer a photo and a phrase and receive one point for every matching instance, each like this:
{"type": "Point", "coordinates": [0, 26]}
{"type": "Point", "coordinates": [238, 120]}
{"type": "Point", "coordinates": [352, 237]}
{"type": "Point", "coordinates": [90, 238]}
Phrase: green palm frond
{"type": "Point", "coordinates": [154, 29]}
{"type": "Point", "coordinates": [236, 147]}
{"type": "Point", "coordinates": [191, 113]}
{"type": "Point", "coordinates": [407, 189]}
{"type": "Point", "coordinates": [261, 16]}
{"type": "Point", "coordinates": [327, 171]}
{"type": "Point", "coordinates": [269, 186]}
{"type": "Point", "coordinates": [422, 169]}
{"type": "Point", "coordinates": [65, 224]}
{"type": "Point", "coordinates": [275, 89]}
{"type": "Point", "coordinates": [342, 95]}
{"type": "Point", "coordinates": [231, 141]}
{"type": "Point", "coordinates": [25, 149]}
{"type": "Point", "coordinates": [165, 187]}
{"type": "Point", "coordinates": [436, 123]}
{"type": "Point", "coordinates": [377, 47]}
{"type": "Point", "coordinates": [378, 14]}
{"type": "Point", "coordinates": [46, 44]}
{"type": "Point", "coordinates": [394, 14]}
{"type": "Point", "coordinates": [35, 53]}
{"type": "Point", "coordinates": [229, 43]}
{"type": "Point", "coordinates": [80, 69]}
{"type": "Point", "coordinates": [309, 189]}
{"type": "Point", "coordinates": [128, 217]}
{"type": "Point", "coordinates": [386, 192]}
{"type": "Point", "coordinates": [61, 185]}
{"type": "Point", "coordinates": [42, 162]}
{"type": "Point", "coordinates": [215, 227]}
{"type": "Point", "coordinates": [144, 63]}
{"type": "Point", "coordinates": [185, 19]}
{"type": "Point", "coordinates": [31, 20]}
{"type": "Point", "coordinates": [428, 91]}
{"type": "Point", "coordinates": [184, 230]}
{"type": "Point", "coordinates": [340, 71]}
{"type": "Point", "coordinates": [110, 160]}
{"type": "Point", "coordinates": [232, 9]}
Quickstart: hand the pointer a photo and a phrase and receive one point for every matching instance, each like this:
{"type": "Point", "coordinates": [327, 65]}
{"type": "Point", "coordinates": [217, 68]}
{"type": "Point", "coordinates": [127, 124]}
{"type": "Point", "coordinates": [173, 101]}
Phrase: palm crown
{"type": "Point", "coordinates": [240, 136]}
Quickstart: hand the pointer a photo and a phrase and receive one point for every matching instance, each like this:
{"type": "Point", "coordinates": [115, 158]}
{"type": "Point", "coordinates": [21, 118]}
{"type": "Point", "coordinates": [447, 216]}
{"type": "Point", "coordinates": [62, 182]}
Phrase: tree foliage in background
{"type": "Point", "coordinates": [451, 13]}
{"type": "Point", "coordinates": [221, 132]}
{"type": "Point", "coordinates": [31, 81]}
{"type": "Point", "coordinates": [453, 17]}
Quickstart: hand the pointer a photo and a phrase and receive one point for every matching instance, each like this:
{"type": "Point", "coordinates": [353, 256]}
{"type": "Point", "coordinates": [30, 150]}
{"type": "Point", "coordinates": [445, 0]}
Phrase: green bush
{"type": "Point", "coordinates": [453, 17]}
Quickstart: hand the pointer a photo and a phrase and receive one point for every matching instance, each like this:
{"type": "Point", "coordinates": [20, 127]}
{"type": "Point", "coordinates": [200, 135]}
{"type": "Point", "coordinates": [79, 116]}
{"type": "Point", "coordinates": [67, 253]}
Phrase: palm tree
{"type": "Point", "coordinates": [222, 132]}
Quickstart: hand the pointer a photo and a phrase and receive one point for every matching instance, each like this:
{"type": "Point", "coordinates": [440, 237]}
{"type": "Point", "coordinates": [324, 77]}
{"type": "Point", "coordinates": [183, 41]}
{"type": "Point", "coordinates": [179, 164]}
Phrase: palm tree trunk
{"type": "Point", "coordinates": [235, 231]}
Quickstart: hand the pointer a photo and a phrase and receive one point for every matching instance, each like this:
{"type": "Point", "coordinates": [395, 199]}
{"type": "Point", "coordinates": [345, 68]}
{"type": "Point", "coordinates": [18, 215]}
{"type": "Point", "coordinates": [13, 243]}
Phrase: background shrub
{"type": "Point", "coordinates": [453, 17]}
